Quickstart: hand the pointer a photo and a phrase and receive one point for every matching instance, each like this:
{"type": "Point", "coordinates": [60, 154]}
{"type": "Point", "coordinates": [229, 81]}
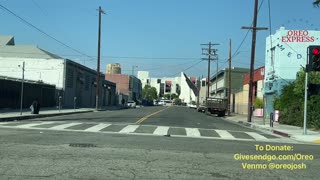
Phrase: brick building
{"type": "Point", "coordinates": [126, 85]}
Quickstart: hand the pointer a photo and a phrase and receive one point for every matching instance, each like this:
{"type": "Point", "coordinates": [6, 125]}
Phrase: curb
{"type": "Point", "coordinates": [266, 129]}
{"type": "Point", "coordinates": [19, 118]}
{"type": "Point", "coordinates": [281, 133]}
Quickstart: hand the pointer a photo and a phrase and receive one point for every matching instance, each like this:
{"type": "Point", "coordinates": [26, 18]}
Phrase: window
{"type": "Point", "coordinates": [87, 82]}
{"type": "Point", "coordinates": [203, 83]}
{"type": "Point", "coordinates": [69, 75]}
{"type": "Point", "coordinates": [272, 56]}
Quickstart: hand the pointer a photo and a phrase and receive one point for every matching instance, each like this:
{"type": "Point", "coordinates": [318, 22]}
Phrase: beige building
{"type": "Point", "coordinates": [241, 96]}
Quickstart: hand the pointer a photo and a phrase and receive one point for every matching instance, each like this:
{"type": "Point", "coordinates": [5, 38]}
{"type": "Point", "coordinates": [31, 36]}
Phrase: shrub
{"type": "Point", "coordinates": [258, 103]}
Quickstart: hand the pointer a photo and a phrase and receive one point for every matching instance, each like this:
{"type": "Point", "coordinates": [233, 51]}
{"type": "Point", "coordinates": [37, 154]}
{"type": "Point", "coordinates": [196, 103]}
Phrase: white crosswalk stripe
{"type": "Point", "coordinates": [225, 134]}
{"type": "Point", "coordinates": [33, 124]}
{"type": "Point", "coordinates": [2, 123]}
{"type": "Point", "coordinates": [97, 127]}
{"type": "Point", "coordinates": [161, 130]}
{"type": "Point", "coordinates": [194, 132]}
{"type": "Point", "coordinates": [64, 126]}
{"type": "Point", "coordinates": [256, 136]}
{"type": "Point", "coordinates": [129, 129]}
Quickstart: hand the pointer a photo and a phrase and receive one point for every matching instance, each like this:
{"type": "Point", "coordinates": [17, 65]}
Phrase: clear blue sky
{"type": "Point", "coordinates": [165, 34]}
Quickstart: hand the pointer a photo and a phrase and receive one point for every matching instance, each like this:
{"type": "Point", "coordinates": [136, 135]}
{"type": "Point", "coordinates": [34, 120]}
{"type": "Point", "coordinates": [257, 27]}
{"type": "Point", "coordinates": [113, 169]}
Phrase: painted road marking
{"type": "Point", "coordinates": [161, 130]}
{"type": "Point", "coordinates": [129, 129]}
{"type": "Point", "coordinates": [64, 126]}
{"type": "Point", "coordinates": [316, 141]}
{"type": "Point", "coordinates": [147, 116]}
{"type": "Point", "coordinates": [224, 134]}
{"type": "Point", "coordinates": [132, 129]}
{"type": "Point", "coordinates": [194, 132]}
{"type": "Point", "coordinates": [97, 127]}
{"type": "Point", "coordinates": [33, 124]}
{"type": "Point", "coordinates": [256, 136]}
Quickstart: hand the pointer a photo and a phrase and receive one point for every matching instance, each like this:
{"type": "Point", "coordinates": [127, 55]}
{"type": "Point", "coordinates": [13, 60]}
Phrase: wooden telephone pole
{"type": "Point", "coordinates": [210, 52]}
{"type": "Point", "coordinates": [229, 80]}
{"type": "Point", "coordinates": [98, 61]}
{"type": "Point", "coordinates": [253, 49]}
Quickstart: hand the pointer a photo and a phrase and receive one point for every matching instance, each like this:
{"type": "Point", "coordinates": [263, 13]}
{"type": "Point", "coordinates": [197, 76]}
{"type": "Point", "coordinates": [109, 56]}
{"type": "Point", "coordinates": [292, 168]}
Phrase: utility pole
{"type": "Point", "coordinates": [198, 89]}
{"type": "Point", "coordinates": [210, 52]}
{"type": "Point", "coordinates": [132, 74]}
{"type": "Point", "coordinates": [253, 48]}
{"type": "Point", "coordinates": [21, 96]}
{"type": "Point", "coordinates": [98, 63]}
{"type": "Point", "coordinates": [229, 80]}
{"type": "Point", "coordinates": [217, 68]}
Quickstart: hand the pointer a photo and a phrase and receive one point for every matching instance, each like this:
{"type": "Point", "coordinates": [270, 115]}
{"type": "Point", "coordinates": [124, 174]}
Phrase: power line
{"type": "Point", "coordinates": [161, 58]}
{"type": "Point", "coordinates": [245, 37]}
{"type": "Point", "coordinates": [41, 31]}
{"type": "Point", "coordinates": [115, 57]}
{"type": "Point", "coordinates": [188, 67]}
{"type": "Point", "coordinates": [36, 4]}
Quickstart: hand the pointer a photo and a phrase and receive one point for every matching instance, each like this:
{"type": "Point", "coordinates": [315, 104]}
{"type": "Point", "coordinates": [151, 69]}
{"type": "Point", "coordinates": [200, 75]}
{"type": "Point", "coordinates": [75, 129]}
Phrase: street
{"type": "Point", "coordinates": [145, 143]}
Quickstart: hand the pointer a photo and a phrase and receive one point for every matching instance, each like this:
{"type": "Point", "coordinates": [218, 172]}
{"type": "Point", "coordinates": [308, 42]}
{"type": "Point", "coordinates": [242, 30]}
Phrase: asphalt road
{"type": "Point", "coordinates": [31, 150]}
{"type": "Point", "coordinates": [169, 116]}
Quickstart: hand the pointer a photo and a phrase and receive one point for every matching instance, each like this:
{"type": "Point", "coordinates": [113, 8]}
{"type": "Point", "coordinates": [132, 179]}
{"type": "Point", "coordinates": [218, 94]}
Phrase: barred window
{"type": "Point", "coordinates": [69, 77]}
{"type": "Point", "coordinates": [87, 82]}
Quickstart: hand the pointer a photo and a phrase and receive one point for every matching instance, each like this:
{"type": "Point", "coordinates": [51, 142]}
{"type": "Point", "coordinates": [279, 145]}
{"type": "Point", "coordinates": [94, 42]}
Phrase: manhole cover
{"type": "Point", "coordinates": [82, 145]}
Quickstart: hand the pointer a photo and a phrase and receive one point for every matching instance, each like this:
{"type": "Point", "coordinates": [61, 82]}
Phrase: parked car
{"type": "Point", "coordinates": [162, 103]}
{"type": "Point", "coordinates": [201, 108]}
{"type": "Point", "coordinates": [131, 104]}
{"type": "Point", "coordinates": [192, 106]}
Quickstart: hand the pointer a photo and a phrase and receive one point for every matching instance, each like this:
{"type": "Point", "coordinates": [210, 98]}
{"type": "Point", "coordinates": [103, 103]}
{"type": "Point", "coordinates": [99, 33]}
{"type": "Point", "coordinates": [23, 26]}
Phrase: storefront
{"type": "Point", "coordinates": [286, 53]}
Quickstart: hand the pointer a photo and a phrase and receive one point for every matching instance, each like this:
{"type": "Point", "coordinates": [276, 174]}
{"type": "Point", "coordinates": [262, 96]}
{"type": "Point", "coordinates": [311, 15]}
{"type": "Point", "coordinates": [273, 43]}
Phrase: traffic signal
{"type": "Point", "coordinates": [314, 58]}
{"type": "Point", "coordinates": [313, 89]}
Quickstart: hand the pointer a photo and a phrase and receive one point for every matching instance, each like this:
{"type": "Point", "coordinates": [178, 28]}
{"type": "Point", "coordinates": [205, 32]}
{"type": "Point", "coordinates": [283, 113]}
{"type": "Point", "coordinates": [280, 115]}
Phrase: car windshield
{"type": "Point", "coordinates": [159, 89]}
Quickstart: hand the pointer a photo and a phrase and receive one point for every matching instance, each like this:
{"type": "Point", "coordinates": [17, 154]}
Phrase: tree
{"type": "Point", "coordinates": [291, 102]}
{"type": "Point", "coordinates": [258, 103]}
{"type": "Point", "coordinates": [177, 101]}
{"type": "Point", "coordinates": [174, 96]}
{"type": "Point", "coordinates": [166, 96]}
{"type": "Point", "coordinates": [316, 3]}
{"type": "Point", "coordinates": [149, 93]}
{"type": "Point", "coordinates": [171, 96]}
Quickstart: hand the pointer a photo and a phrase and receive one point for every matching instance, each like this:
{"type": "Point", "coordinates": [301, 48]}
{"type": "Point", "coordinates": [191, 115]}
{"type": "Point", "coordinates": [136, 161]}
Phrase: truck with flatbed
{"type": "Point", "coordinates": [215, 106]}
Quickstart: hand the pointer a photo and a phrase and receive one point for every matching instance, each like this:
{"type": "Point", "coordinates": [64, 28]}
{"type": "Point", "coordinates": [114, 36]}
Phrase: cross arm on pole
{"type": "Point", "coordinates": [254, 28]}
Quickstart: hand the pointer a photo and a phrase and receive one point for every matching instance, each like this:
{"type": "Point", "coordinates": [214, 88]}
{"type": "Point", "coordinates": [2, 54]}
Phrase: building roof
{"type": "Point", "coordinates": [25, 80]}
{"type": "Point", "coordinates": [26, 52]}
{"type": "Point", "coordinates": [234, 69]}
{"type": "Point", "coordinates": [9, 49]}
{"type": "Point", "coordinates": [6, 40]}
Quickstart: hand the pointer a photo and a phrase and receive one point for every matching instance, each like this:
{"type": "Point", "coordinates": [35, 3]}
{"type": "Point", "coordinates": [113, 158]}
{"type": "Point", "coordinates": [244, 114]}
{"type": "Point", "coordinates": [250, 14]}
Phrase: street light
{"type": "Point", "coordinates": [22, 81]}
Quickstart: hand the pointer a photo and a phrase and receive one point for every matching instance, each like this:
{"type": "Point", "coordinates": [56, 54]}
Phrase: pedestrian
{"type": "Point", "coordinates": [34, 107]}
{"type": "Point", "coordinates": [123, 102]}
{"type": "Point", "coordinates": [38, 107]}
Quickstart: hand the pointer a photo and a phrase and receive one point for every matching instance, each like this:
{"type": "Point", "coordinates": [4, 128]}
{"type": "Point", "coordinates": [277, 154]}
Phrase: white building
{"type": "Point", "coordinates": [76, 83]}
{"type": "Point", "coordinates": [169, 85]}
{"type": "Point", "coordinates": [286, 53]}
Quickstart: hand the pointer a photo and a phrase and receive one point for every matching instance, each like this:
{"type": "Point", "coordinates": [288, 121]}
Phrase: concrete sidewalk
{"type": "Point", "coordinates": [289, 131]}
{"type": "Point", "coordinates": [14, 114]}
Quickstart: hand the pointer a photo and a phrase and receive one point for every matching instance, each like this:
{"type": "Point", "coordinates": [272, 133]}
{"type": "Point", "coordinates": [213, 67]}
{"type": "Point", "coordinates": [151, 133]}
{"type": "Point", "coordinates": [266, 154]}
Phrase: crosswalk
{"type": "Point", "coordinates": [140, 129]}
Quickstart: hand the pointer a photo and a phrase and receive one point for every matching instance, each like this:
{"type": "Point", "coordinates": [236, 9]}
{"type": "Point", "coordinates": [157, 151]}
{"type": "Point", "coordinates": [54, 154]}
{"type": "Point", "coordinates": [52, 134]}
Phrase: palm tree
{"type": "Point", "coordinates": [316, 3]}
